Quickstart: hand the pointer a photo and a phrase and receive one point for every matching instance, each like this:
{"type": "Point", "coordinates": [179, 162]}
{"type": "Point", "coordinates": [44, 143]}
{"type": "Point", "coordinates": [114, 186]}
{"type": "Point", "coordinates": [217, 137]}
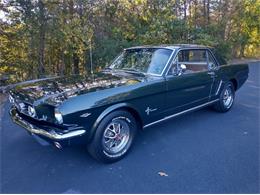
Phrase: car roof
{"type": "Point", "coordinates": [171, 46]}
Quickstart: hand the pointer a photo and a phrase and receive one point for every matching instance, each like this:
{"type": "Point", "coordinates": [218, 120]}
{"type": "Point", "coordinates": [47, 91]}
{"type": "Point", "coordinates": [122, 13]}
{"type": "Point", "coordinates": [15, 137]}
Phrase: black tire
{"type": "Point", "coordinates": [99, 145]}
{"type": "Point", "coordinates": [221, 106]}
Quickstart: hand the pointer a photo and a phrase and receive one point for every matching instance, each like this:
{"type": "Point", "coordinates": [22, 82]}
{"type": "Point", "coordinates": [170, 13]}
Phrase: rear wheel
{"type": "Point", "coordinates": [226, 99]}
{"type": "Point", "coordinates": [114, 136]}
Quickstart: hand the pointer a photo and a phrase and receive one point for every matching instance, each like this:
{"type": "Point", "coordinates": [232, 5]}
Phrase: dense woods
{"type": "Point", "coordinates": [39, 38]}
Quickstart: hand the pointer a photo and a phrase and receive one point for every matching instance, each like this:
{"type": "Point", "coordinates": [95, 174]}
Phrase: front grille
{"type": "Point", "coordinates": [21, 106]}
{"type": "Point", "coordinates": [42, 124]}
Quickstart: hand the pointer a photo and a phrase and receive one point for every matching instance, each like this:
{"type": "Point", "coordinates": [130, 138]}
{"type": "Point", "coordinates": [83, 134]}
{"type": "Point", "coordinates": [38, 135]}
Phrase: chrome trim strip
{"type": "Point", "coordinates": [220, 84]}
{"type": "Point", "coordinates": [180, 113]}
{"type": "Point", "coordinates": [195, 88]}
{"type": "Point", "coordinates": [168, 62]}
{"type": "Point", "coordinates": [192, 63]}
{"type": "Point", "coordinates": [52, 135]}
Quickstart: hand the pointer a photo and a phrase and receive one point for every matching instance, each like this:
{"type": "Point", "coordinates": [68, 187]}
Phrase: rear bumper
{"type": "Point", "coordinates": [48, 134]}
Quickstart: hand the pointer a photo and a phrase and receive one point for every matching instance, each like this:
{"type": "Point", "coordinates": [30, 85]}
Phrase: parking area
{"type": "Point", "coordinates": [201, 152]}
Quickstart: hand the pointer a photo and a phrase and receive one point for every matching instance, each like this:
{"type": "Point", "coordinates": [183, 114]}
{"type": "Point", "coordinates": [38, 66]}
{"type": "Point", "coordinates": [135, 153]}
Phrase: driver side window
{"type": "Point", "coordinates": [189, 61]}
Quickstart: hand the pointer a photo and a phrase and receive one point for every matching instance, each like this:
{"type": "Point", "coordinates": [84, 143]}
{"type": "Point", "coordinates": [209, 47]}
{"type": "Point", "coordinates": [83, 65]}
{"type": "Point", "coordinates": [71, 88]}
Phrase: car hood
{"type": "Point", "coordinates": [56, 90]}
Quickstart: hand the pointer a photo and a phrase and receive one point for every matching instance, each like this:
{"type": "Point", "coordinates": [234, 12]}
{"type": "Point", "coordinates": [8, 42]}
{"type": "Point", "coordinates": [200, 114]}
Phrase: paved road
{"type": "Point", "coordinates": [202, 152]}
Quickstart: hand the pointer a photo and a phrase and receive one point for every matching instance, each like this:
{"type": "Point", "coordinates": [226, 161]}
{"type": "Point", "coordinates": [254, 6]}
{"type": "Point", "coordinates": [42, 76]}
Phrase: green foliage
{"type": "Point", "coordinates": [53, 37]}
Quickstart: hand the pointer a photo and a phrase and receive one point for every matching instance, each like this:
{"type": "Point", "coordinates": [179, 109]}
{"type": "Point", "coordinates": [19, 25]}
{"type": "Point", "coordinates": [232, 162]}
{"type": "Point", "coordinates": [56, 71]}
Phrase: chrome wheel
{"type": "Point", "coordinates": [116, 136]}
{"type": "Point", "coordinates": [228, 97]}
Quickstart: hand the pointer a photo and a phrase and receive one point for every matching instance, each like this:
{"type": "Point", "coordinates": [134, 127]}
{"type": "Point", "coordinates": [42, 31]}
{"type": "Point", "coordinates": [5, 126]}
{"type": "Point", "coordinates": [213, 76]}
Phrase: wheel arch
{"type": "Point", "coordinates": [235, 83]}
{"type": "Point", "coordinates": [120, 106]}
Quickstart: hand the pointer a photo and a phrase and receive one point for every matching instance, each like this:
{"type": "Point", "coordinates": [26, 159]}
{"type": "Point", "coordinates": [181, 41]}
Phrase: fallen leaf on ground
{"type": "Point", "coordinates": [163, 174]}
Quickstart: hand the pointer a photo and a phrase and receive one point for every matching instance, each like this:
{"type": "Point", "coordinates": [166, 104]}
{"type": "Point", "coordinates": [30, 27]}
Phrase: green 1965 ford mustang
{"type": "Point", "coordinates": [143, 86]}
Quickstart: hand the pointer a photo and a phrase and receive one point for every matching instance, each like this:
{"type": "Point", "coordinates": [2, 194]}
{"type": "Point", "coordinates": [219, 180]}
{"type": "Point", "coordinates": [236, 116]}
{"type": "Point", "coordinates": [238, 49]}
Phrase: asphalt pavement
{"type": "Point", "coordinates": [200, 152]}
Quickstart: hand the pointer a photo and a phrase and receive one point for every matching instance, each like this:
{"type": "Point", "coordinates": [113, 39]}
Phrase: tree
{"type": "Point", "coordinates": [55, 37]}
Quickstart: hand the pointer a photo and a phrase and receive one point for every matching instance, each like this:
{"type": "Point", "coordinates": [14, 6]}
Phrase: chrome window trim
{"type": "Point", "coordinates": [196, 63]}
{"type": "Point", "coordinates": [170, 76]}
{"type": "Point", "coordinates": [213, 57]}
{"type": "Point", "coordinates": [219, 86]}
{"type": "Point", "coordinates": [180, 113]}
{"type": "Point", "coordinates": [207, 51]}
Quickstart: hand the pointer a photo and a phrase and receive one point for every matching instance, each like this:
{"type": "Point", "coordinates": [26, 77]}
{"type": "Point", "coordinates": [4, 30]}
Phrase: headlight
{"type": "Point", "coordinates": [31, 111]}
{"type": "Point", "coordinates": [58, 116]}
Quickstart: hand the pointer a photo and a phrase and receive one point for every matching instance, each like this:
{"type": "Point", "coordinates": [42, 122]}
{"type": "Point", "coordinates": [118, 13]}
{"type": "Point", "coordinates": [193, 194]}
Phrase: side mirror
{"type": "Point", "coordinates": [182, 69]}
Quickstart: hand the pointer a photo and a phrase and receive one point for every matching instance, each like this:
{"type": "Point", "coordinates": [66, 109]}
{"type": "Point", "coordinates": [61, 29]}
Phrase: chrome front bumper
{"type": "Point", "coordinates": [53, 135]}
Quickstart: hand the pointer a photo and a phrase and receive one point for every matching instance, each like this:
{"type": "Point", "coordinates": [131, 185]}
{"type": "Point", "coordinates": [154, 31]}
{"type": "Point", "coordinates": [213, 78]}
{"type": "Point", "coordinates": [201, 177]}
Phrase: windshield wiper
{"type": "Point", "coordinates": [131, 70]}
{"type": "Point", "coordinates": [107, 68]}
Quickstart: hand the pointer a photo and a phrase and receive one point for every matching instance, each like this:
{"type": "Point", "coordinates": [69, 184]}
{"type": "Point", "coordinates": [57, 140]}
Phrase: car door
{"type": "Point", "coordinates": [188, 80]}
{"type": "Point", "coordinates": [214, 71]}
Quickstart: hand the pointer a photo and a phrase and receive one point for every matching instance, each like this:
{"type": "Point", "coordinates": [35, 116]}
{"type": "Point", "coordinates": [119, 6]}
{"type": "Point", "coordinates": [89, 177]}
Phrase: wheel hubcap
{"type": "Point", "coordinates": [116, 136]}
{"type": "Point", "coordinates": [228, 98]}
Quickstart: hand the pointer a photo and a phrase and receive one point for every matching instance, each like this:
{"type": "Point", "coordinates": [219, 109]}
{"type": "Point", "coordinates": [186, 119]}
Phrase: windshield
{"type": "Point", "coordinates": [144, 60]}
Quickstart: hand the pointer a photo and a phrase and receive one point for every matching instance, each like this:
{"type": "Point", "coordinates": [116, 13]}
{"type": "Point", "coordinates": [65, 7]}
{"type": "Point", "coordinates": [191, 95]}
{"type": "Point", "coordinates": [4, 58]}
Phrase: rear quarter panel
{"type": "Point", "coordinates": [237, 72]}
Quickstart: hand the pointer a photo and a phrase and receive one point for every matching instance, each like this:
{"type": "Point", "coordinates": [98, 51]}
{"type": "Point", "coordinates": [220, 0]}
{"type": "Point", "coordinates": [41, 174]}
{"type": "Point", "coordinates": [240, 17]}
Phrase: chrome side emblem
{"type": "Point", "coordinates": [148, 110]}
{"type": "Point", "coordinates": [85, 115]}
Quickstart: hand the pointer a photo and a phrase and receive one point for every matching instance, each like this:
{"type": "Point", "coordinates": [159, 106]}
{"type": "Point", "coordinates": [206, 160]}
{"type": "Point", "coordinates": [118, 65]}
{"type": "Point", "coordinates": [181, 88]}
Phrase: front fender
{"type": "Point", "coordinates": [106, 112]}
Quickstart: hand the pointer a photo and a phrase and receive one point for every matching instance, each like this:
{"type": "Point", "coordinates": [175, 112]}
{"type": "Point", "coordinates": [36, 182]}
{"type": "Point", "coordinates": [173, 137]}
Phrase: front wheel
{"type": "Point", "coordinates": [114, 136]}
{"type": "Point", "coordinates": [226, 99]}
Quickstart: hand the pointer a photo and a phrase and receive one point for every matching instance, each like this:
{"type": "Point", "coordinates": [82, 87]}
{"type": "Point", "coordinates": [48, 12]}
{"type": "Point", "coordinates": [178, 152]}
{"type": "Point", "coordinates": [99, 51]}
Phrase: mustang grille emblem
{"type": "Point", "coordinates": [148, 110]}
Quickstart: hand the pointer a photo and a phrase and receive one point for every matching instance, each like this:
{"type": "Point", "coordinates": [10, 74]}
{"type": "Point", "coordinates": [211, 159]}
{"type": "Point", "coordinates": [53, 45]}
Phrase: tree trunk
{"type": "Point", "coordinates": [177, 2]}
{"type": "Point", "coordinates": [75, 57]}
{"type": "Point", "coordinates": [190, 12]}
{"type": "Point", "coordinates": [42, 21]}
{"type": "Point", "coordinates": [195, 12]}
{"type": "Point", "coordinates": [242, 50]}
{"type": "Point", "coordinates": [204, 13]}
{"type": "Point", "coordinates": [185, 10]}
{"type": "Point", "coordinates": [208, 12]}
{"type": "Point", "coordinates": [62, 65]}
{"type": "Point", "coordinates": [32, 70]}
{"type": "Point", "coordinates": [76, 63]}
